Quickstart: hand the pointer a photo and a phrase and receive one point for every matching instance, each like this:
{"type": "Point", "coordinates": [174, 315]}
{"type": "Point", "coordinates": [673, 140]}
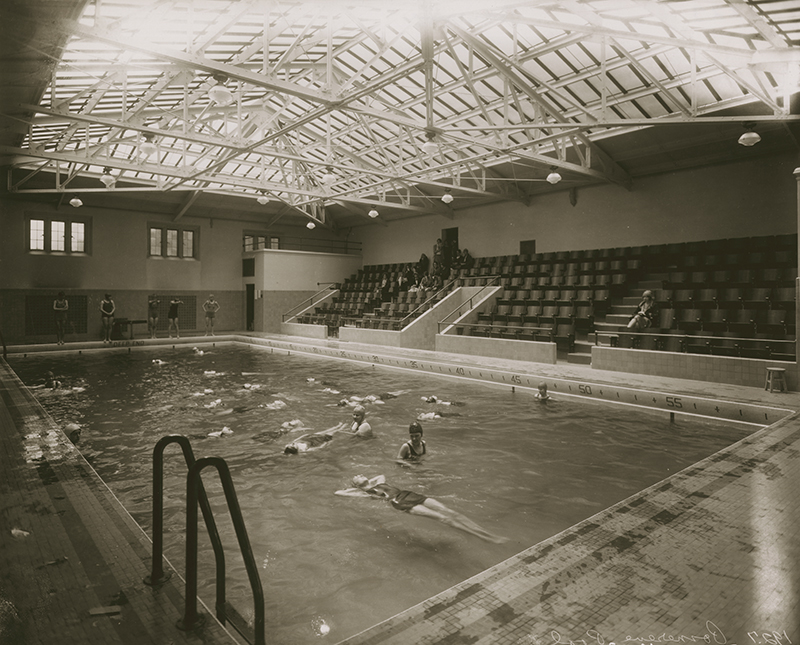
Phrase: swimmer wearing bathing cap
{"type": "Point", "coordinates": [414, 448]}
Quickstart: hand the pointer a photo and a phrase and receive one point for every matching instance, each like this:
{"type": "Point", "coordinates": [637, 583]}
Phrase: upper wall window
{"type": "Point", "coordinates": [167, 241]}
{"type": "Point", "coordinates": [58, 234]}
{"type": "Point", "coordinates": [254, 241]}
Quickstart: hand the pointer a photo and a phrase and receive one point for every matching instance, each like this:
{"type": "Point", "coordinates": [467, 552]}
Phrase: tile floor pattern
{"type": "Point", "coordinates": [709, 555]}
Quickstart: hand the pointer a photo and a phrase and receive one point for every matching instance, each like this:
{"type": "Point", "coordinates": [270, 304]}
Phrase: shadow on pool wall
{"type": "Point", "coordinates": [520, 469]}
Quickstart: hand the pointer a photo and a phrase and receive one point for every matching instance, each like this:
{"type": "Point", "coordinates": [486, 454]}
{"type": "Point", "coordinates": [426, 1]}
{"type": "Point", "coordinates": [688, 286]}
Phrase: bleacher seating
{"type": "Point", "coordinates": [727, 297]}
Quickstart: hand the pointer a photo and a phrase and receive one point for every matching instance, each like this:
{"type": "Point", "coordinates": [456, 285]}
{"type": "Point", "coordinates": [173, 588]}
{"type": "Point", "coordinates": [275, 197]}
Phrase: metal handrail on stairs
{"type": "Point", "coordinates": [492, 283]}
{"type": "Point", "coordinates": [309, 302]}
{"type": "Point", "coordinates": [196, 495]}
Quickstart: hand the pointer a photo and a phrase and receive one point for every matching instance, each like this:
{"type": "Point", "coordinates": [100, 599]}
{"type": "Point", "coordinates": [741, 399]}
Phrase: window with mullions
{"type": "Point", "coordinates": [172, 242]}
{"type": "Point", "coordinates": [256, 241]}
{"type": "Point", "coordinates": [58, 235]}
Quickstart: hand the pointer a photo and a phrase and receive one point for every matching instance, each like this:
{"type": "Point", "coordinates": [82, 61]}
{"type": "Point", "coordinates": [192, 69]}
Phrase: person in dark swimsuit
{"type": "Point", "coordinates": [173, 316]}
{"type": "Point", "coordinates": [61, 307]}
{"type": "Point", "coordinates": [416, 504]}
{"type": "Point", "coordinates": [414, 448]}
{"type": "Point", "coordinates": [152, 315]}
{"type": "Point", "coordinates": [107, 309]}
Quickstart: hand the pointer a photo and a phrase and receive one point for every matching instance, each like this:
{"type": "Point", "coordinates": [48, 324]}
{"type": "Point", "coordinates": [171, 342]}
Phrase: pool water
{"type": "Point", "coordinates": [521, 469]}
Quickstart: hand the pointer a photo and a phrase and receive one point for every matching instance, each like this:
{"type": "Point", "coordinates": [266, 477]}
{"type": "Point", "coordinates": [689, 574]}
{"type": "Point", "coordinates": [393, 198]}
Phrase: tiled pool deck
{"type": "Point", "coordinates": [710, 555]}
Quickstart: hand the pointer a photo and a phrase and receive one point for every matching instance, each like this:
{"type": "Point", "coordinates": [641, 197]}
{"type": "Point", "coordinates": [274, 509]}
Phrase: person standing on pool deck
{"type": "Point", "coordinates": [211, 307]}
{"type": "Point", "coordinates": [173, 316]}
{"type": "Point", "coordinates": [61, 307]}
{"type": "Point", "coordinates": [152, 315]}
{"type": "Point", "coordinates": [416, 504]}
{"type": "Point", "coordinates": [107, 309]}
{"type": "Point", "coordinates": [414, 448]}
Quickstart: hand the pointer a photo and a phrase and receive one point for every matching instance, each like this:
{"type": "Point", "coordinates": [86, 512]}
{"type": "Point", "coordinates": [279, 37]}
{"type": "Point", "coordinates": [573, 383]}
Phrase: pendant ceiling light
{"type": "Point", "coordinates": [750, 137]}
{"type": "Point", "coordinates": [148, 147]}
{"type": "Point", "coordinates": [311, 225]}
{"type": "Point", "coordinates": [109, 181]}
{"type": "Point", "coordinates": [373, 213]}
{"type": "Point", "coordinates": [447, 198]}
{"type": "Point", "coordinates": [262, 199]}
{"type": "Point", "coordinates": [76, 202]}
{"type": "Point", "coordinates": [430, 146]}
{"type": "Point", "coordinates": [219, 93]}
{"type": "Point", "coordinates": [553, 177]}
{"type": "Point", "coordinates": [328, 177]}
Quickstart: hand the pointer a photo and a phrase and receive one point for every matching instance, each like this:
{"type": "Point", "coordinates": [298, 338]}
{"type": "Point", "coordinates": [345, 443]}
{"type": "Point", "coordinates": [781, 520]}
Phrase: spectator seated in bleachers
{"type": "Point", "coordinates": [645, 313]}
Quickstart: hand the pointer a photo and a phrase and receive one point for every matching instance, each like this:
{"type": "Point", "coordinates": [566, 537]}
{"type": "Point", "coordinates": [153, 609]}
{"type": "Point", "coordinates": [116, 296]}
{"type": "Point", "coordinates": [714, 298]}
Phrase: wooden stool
{"type": "Point", "coordinates": [776, 379]}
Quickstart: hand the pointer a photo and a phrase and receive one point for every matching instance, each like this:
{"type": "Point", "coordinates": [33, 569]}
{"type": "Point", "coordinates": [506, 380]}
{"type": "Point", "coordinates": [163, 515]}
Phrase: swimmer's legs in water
{"type": "Point", "coordinates": [436, 510]}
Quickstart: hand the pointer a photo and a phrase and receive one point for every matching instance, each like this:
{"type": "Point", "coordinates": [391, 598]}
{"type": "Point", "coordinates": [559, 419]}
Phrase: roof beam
{"type": "Point", "coordinates": [197, 61]}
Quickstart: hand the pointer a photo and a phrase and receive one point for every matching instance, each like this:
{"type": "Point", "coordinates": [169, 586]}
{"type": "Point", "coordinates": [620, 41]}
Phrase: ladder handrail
{"type": "Point", "coordinates": [157, 572]}
{"type": "Point", "coordinates": [191, 618]}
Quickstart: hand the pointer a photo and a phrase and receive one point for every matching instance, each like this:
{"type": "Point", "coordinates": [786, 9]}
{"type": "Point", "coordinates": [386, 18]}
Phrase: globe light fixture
{"type": "Point", "coordinates": [750, 137]}
{"type": "Point", "coordinates": [447, 198]}
{"type": "Point", "coordinates": [553, 177]}
{"type": "Point", "coordinates": [430, 146]}
{"type": "Point", "coordinates": [373, 213]}
{"type": "Point", "coordinates": [220, 94]}
{"type": "Point", "coordinates": [75, 202]}
{"type": "Point", "coordinates": [328, 177]}
{"type": "Point", "coordinates": [148, 147]}
{"type": "Point", "coordinates": [109, 181]}
{"type": "Point", "coordinates": [311, 226]}
{"type": "Point", "coordinates": [262, 199]}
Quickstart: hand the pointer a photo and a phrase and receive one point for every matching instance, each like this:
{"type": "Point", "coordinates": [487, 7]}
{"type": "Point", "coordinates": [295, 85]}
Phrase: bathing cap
{"type": "Point", "coordinates": [359, 408]}
{"type": "Point", "coordinates": [647, 294]}
{"type": "Point", "coordinates": [414, 427]}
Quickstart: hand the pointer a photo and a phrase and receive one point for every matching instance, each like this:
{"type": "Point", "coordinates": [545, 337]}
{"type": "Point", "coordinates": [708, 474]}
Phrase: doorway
{"type": "Point", "coordinates": [250, 306]}
{"type": "Point", "coordinates": [449, 245]}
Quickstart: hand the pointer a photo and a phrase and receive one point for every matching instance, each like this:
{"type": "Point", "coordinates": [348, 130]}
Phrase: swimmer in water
{"type": "Point", "coordinates": [359, 427]}
{"type": "Point", "coordinates": [309, 442]}
{"type": "Point", "coordinates": [416, 504]}
{"type": "Point", "coordinates": [414, 448]}
{"type": "Point", "coordinates": [436, 399]}
{"type": "Point", "coordinates": [541, 393]}
{"type": "Point", "coordinates": [429, 416]}
{"type": "Point", "coordinates": [50, 381]}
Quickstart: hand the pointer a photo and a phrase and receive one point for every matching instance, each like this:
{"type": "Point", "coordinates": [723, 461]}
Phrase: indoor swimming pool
{"type": "Point", "coordinates": [334, 565]}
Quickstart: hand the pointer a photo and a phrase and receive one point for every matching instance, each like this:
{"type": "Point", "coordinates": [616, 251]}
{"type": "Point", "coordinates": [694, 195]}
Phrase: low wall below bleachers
{"type": "Point", "coordinates": [306, 331]}
{"type": "Point", "coordinates": [419, 334]}
{"type": "Point", "coordinates": [749, 372]}
{"type": "Point", "coordinates": [517, 350]}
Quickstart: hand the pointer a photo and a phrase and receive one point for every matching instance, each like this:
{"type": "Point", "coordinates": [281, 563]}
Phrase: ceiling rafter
{"type": "Point", "coordinates": [508, 89]}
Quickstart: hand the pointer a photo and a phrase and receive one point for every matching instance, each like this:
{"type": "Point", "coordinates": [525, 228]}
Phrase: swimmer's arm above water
{"type": "Point", "coordinates": [353, 492]}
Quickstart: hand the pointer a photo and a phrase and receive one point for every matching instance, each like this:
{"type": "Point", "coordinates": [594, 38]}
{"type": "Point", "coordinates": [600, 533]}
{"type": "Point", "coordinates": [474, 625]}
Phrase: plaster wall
{"type": "Point", "coordinates": [517, 350]}
{"type": "Point", "coordinates": [739, 199]}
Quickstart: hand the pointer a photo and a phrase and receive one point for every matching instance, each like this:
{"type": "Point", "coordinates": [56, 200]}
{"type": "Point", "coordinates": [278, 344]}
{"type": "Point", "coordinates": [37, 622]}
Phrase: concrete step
{"type": "Point", "coordinates": [579, 359]}
{"type": "Point", "coordinates": [583, 347]}
{"type": "Point", "coordinates": [609, 326]}
{"type": "Point", "coordinates": [622, 310]}
{"type": "Point", "coordinates": [618, 319]}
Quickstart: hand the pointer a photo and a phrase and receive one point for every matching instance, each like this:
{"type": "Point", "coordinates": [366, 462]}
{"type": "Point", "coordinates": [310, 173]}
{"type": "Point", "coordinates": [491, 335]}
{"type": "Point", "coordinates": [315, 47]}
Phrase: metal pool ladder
{"type": "Point", "coordinates": [196, 494]}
